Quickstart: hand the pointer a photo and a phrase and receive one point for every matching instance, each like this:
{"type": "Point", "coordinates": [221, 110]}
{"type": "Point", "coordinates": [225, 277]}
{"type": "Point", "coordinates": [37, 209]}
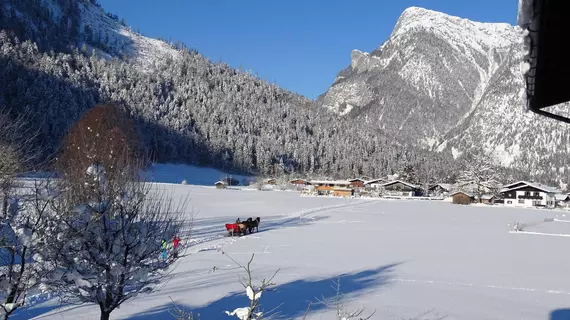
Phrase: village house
{"type": "Point", "coordinates": [221, 185]}
{"type": "Point", "coordinates": [528, 195]}
{"type": "Point", "coordinates": [374, 184]}
{"type": "Point", "coordinates": [308, 190]}
{"type": "Point", "coordinates": [562, 200]}
{"type": "Point", "coordinates": [440, 189]}
{"type": "Point", "coordinates": [328, 187]}
{"type": "Point", "coordinates": [490, 199]}
{"type": "Point", "coordinates": [400, 188]}
{"type": "Point", "coordinates": [461, 197]}
{"type": "Point", "coordinates": [356, 183]}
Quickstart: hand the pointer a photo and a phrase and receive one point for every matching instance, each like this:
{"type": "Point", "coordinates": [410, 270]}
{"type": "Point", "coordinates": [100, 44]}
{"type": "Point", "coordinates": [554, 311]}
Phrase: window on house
{"type": "Point", "coordinates": [521, 201]}
{"type": "Point", "coordinates": [536, 203]}
{"type": "Point", "coordinates": [509, 202]}
{"type": "Point", "coordinates": [527, 193]}
{"type": "Point", "coordinates": [537, 194]}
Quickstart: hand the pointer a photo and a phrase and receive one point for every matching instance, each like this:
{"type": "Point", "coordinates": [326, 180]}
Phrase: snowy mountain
{"type": "Point", "coordinates": [449, 84]}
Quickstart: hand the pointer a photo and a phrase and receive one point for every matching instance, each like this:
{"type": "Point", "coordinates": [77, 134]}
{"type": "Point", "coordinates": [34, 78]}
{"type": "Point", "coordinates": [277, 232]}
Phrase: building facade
{"type": "Point", "coordinates": [528, 195]}
{"type": "Point", "coordinates": [400, 188]}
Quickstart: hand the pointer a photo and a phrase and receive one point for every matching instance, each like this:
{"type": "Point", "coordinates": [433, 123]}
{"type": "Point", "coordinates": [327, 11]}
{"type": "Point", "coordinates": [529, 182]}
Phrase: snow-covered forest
{"type": "Point", "coordinates": [190, 110]}
{"type": "Point", "coordinates": [59, 58]}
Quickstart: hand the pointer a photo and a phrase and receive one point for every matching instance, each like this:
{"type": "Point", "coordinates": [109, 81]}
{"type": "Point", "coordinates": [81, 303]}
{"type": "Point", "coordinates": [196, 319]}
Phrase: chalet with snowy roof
{"type": "Point", "coordinates": [490, 199]}
{"type": "Point", "coordinates": [440, 189]}
{"type": "Point", "coordinates": [221, 185]}
{"type": "Point", "coordinates": [528, 195]}
{"type": "Point", "coordinates": [562, 200]}
{"type": "Point", "coordinates": [357, 183]}
{"type": "Point", "coordinates": [325, 187]}
{"type": "Point", "coordinates": [398, 188]}
{"type": "Point", "coordinates": [375, 184]}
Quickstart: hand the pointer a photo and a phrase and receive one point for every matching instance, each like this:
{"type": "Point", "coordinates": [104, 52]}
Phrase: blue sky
{"type": "Point", "coordinates": [299, 44]}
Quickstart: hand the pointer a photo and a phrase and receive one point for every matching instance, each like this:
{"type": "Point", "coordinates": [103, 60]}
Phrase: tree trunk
{"type": "Point", "coordinates": [105, 315]}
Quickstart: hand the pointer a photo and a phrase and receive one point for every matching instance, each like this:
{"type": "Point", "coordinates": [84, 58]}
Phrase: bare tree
{"type": "Point", "coordinates": [341, 312]}
{"type": "Point", "coordinates": [18, 152]}
{"type": "Point", "coordinates": [108, 231]}
{"type": "Point", "coordinates": [253, 292]}
{"type": "Point", "coordinates": [479, 175]}
{"type": "Point", "coordinates": [112, 239]}
{"type": "Point", "coordinates": [22, 246]}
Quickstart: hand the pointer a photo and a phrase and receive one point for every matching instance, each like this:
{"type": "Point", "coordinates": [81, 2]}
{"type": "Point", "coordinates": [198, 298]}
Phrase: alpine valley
{"type": "Point", "coordinates": [439, 89]}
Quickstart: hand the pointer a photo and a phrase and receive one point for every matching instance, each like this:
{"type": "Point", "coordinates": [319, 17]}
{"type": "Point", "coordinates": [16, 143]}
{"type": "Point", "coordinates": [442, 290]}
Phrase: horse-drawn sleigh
{"type": "Point", "coordinates": [243, 227]}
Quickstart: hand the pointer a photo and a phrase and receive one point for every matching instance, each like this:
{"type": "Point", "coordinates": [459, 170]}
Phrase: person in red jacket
{"type": "Point", "coordinates": [175, 242]}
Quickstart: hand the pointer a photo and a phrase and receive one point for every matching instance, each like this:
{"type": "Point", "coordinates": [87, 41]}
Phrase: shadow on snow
{"type": "Point", "coordinates": [289, 300]}
{"type": "Point", "coordinates": [560, 314]}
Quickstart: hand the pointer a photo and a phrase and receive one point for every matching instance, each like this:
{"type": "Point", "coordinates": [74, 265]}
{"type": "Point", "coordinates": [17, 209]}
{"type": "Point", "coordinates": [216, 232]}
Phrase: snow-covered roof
{"type": "Point", "coordinates": [222, 182]}
{"type": "Point", "coordinates": [356, 179]}
{"type": "Point", "coordinates": [446, 186]}
{"type": "Point", "coordinates": [375, 181]}
{"type": "Point", "coordinates": [465, 193]}
{"type": "Point", "coordinates": [561, 196]}
{"type": "Point", "coordinates": [337, 182]}
{"type": "Point", "coordinates": [522, 184]}
{"type": "Point", "coordinates": [487, 196]}
{"type": "Point", "coordinates": [510, 185]}
{"type": "Point", "coordinates": [402, 182]}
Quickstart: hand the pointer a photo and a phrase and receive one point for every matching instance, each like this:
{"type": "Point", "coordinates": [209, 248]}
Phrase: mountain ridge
{"type": "Point", "coordinates": [449, 84]}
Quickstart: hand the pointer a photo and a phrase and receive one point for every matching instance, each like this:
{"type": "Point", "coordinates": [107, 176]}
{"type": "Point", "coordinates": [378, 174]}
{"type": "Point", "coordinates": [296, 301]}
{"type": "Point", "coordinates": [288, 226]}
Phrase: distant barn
{"type": "Point", "coordinates": [461, 197]}
{"type": "Point", "coordinates": [221, 185]}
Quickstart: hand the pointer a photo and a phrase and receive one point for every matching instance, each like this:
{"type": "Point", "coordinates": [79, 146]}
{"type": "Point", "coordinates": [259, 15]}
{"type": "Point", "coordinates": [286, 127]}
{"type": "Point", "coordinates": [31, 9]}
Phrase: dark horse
{"type": "Point", "coordinates": [252, 224]}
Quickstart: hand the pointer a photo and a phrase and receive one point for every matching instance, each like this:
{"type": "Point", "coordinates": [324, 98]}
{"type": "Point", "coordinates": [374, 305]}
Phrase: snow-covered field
{"type": "Point", "coordinates": [400, 258]}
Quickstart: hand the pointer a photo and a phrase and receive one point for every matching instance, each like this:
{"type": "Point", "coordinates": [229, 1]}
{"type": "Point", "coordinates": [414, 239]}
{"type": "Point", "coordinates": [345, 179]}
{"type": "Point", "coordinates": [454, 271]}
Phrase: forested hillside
{"type": "Point", "coordinates": [193, 111]}
{"type": "Point", "coordinates": [59, 58]}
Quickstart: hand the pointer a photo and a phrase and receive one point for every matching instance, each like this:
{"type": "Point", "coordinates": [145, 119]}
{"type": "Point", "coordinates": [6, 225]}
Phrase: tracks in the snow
{"type": "Point", "coordinates": [210, 233]}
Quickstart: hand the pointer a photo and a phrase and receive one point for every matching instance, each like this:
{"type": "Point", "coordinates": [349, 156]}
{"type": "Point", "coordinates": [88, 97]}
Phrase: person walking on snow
{"type": "Point", "coordinates": [175, 243]}
{"type": "Point", "coordinates": [164, 246]}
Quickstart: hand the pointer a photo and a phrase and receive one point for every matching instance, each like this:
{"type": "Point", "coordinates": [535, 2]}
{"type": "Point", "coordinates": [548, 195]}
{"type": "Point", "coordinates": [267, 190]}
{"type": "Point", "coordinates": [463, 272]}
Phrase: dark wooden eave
{"type": "Point", "coordinates": [549, 57]}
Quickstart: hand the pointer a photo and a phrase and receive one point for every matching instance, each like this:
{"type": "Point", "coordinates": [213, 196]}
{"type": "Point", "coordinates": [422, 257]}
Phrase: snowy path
{"type": "Point", "coordinates": [401, 258]}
